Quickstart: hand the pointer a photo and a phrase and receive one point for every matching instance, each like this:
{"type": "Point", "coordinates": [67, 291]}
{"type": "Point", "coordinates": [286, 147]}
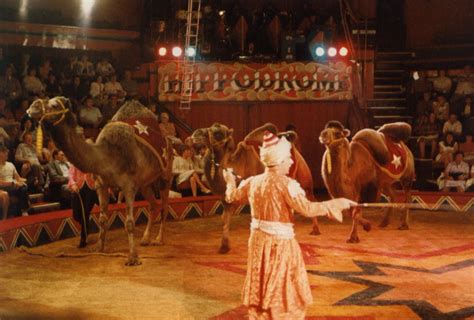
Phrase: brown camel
{"type": "Point", "coordinates": [245, 162]}
{"type": "Point", "coordinates": [356, 170]}
{"type": "Point", "coordinates": [119, 158]}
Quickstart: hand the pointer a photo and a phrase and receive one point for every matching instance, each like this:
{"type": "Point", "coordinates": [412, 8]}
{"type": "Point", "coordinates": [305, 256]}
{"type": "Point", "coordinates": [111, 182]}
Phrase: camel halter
{"type": "Point", "coordinates": [328, 155]}
{"type": "Point", "coordinates": [213, 144]}
{"type": "Point", "coordinates": [39, 131]}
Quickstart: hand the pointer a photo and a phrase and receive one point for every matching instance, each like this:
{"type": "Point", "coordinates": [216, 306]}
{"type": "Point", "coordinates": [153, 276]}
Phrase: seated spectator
{"type": "Point", "coordinates": [44, 70]}
{"type": "Point", "coordinates": [185, 171]}
{"type": "Point", "coordinates": [447, 148]}
{"type": "Point", "coordinates": [4, 137]}
{"type": "Point", "coordinates": [4, 203]}
{"type": "Point", "coordinates": [113, 87]}
{"type": "Point", "coordinates": [12, 183]}
{"type": "Point", "coordinates": [154, 108]}
{"type": "Point", "coordinates": [442, 84]}
{"type": "Point", "coordinates": [86, 68]}
{"type": "Point", "coordinates": [129, 85]}
{"type": "Point", "coordinates": [470, 181]}
{"type": "Point", "coordinates": [32, 84]}
{"type": "Point", "coordinates": [10, 87]}
{"type": "Point", "coordinates": [53, 88]}
{"type": "Point", "coordinates": [421, 85]}
{"type": "Point", "coordinates": [465, 85]}
{"type": "Point", "coordinates": [110, 108]}
{"type": "Point", "coordinates": [467, 115]}
{"type": "Point", "coordinates": [428, 131]}
{"type": "Point", "coordinates": [58, 177]}
{"type": "Point", "coordinates": [167, 128]}
{"type": "Point", "coordinates": [441, 109]}
{"type": "Point", "coordinates": [104, 68]}
{"type": "Point", "coordinates": [425, 105]}
{"type": "Point", "coordinates": [75, 90]}
{"type": "Point", "coordinates": [20, 112]}
{"type": "Point", "coordinates": [97, 88]}
{"type": "Point", "coordinates": [7, 120]}
{"type": "Point", "coordinates": [455, 175]}
{"type": "Point", "coordinates": [49, 150]}
{"type": "Point", "coordinates": [29, 161]}
{"type": "Point", "coordinates": [453, 125]}
{"type": "Point", "coordinates": [89, 115]}
{"type": "Point", "coordinates": [27, 126]}
{"type": "Point", "coordinates": [468, 149]}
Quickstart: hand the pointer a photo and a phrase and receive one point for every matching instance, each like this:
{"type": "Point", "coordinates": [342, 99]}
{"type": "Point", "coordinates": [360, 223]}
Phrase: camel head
{"type": "Point", "coordinates": [333, 132]}
{"type": "Point", "coordinates": [216, 135]}
{"type": "Point", "coordinates": [51, 111]}
{"type": "Point", "coordinates": [257, 134]}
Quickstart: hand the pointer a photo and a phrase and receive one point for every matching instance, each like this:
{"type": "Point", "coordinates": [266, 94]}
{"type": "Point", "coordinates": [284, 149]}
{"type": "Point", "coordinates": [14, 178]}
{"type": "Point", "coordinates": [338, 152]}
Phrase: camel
{"type": "Point", "coordinates": [356, 170]}
{"type": "Point", "coordinates": [245, 162]}
{"type": "Point", "coordinates": [118, 158]}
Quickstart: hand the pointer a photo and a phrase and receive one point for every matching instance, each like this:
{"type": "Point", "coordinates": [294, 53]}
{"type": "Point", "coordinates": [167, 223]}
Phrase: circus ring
{"type": "Point", "coordinates": [426, 272]}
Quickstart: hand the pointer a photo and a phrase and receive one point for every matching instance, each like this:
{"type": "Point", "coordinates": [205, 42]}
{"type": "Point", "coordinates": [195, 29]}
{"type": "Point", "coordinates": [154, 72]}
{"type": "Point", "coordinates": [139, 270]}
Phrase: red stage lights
{"type": "Point", "coordinates": [177, 52]}
{"type": "Point", "coordinates": [162, 51]}
{"type": "Point", "coordinates": [343, 51]}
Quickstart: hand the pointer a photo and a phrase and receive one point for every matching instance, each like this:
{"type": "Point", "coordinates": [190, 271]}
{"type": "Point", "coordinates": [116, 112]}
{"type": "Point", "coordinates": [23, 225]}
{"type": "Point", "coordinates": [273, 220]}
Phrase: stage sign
{"type": "Point", "coordinates": [259, 82]}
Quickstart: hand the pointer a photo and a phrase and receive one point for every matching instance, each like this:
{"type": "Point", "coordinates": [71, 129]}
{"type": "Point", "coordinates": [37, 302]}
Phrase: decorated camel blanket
{"type": "Point", "coordinates": [399, 158]}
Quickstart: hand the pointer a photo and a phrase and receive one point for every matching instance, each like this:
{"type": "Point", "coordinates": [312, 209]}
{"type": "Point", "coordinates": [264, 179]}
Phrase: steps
{"type": "Point", "coordinates": [38, 205]}
{"type": "Point", "coordinates": [389, 103]}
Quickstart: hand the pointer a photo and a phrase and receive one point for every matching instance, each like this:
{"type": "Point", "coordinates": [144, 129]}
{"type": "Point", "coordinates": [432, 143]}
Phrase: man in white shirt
{"type": "Point", "coordinates": [114, 87]}
{"type": "Point", "coordinates": [28, 158]}
{"type": "Point", "coordinates": [11, 182]}
{"type": "Point", "coordinates": [90, 116]}
{"type": "Point", "coordinates": [453, 125]}
{"type": "Point", "coordinates": [456, 173]}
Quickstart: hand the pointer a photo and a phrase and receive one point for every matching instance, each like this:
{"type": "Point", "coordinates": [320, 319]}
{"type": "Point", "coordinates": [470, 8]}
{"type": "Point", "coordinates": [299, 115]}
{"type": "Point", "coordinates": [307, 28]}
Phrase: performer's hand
{"type": "Point", "coordinates": [336, 206]}
{"type": "Point", "coordinates": [228, 176]}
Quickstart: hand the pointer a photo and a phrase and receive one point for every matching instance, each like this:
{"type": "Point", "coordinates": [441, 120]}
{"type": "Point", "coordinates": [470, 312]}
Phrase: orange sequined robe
{"type": "Point", "coordinates": [276, 285]}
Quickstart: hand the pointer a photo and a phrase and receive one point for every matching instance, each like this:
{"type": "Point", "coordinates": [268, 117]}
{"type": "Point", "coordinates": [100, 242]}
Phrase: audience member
{"type": "Point", "coordinates": [27, 157]}
{"type": "Point", "coordinates": [12, 183]}
{"type": "Point", "coordinates": [105, 68]}
{"type": "Point", "coordinates": [86, 68]}
{"type": "Point", "coordinates": [10, 87]}
{"type": "Point", "coordinates": [447, 148]}
{"type": "Point", "coordinates": [428, 131]}
{"type": "Point", "coordinates": [89, 115]}
{"type": "Point", "coordinates": [44, 70]}
{"type": "Point", "coordinates": [114, 87]}
{"type": "Point", "coordinates": [455, 175]}
{"type": "Point", "coordinates": [129, 85]}
{"type": "Point", "coordinates": [97, 88]}
{"type": "Point", "coordinates": [442, 84]}
{"type": "Point", "coordinates": [53, 88]}
{"type": "Point", "coordinates": [441, 109]}
{"type": "Point", "coordinates": [421, 85]}
{"type": "Point", "coordinates": [32, 84]}
{"type": "Point", "coordinates": [27, 126]}
{"type": "Point", "coordinates": [470, 181]}
{"type": "Point", "coordinates": [467, 148]}
{"type": "Point", "coordinates": [49, 150]}
{"type": "Point", "coordinates": [184, 170]}
{"type": "Point", "coordinates": [75, 90]}
{"type": "Point", "coordinates": [58, 178]}
{"type": "Point", "coordinates": [424, 105]}
{"type": "Point", "coordinates": [467, 115]}
{"type": "Point", "coordinates": [167, 128]}
{"type": "Point", "coordinates": [110, 108]}
{"type": "Point", "coordinates": [453, 125]}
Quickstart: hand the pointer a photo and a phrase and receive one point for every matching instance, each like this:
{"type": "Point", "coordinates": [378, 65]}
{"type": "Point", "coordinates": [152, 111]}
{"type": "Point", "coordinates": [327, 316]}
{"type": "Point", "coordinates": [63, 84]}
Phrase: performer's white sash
{"type": "Point", "coordinates": [280, 229]}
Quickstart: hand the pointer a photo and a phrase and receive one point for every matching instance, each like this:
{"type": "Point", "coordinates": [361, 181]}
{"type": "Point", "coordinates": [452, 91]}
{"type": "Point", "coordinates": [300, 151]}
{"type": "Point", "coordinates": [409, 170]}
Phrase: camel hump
{"type": "Point", "coordinates": [375, 143]}
{"type": "Point", "coordinates": [397, 131]}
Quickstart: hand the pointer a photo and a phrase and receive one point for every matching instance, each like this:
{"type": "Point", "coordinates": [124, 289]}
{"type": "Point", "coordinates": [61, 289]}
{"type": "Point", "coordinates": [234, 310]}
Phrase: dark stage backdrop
{"type": "Point", "coordinates": [308, 117]}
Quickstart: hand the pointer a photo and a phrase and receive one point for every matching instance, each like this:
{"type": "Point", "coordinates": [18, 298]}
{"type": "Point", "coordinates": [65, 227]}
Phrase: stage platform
{"type": "Point", "coordinates": [45, 228]}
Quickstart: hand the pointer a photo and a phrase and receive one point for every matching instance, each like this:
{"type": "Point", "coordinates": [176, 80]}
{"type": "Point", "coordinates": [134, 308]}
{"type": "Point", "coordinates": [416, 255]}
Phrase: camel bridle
{"type": "Point", "coordinates": [46, 114]}
{"type": "Point", "coordinates": [212, 145]}
{"type": "Point", "coordinates": [328, 152]}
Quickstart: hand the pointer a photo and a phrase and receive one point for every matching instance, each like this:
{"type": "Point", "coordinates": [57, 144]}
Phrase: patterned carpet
{"type": "Point", "coordinates": [426, 272]}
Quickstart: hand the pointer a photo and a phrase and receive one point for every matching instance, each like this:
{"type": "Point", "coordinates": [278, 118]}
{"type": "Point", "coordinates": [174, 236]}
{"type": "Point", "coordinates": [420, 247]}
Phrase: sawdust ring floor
{"type": "Point", "coordinates": [422, 273]}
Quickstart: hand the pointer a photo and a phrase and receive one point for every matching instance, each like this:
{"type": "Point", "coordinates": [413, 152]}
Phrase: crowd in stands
{"type": "Point", "coordinates": [444, 125]}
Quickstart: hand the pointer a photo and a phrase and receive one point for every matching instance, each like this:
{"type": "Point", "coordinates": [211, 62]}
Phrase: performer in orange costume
{"type": "Point", "coordinates": [276, 285]}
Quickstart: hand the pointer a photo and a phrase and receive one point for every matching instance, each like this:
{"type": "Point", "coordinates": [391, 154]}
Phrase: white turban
{"type": "Point", "coordinates": [274, 150]}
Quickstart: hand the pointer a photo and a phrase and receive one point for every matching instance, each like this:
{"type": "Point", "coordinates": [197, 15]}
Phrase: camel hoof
{"type": "Point", "coordinates": [367, 227]}
{"type": "Point", "coordinates": [353, 240]}
{"type": "Point", "coordinates": [133, 261]}
{"type": "Point", "coordinates": [403, 227]}
{"type": "Point", "coordinates": [315, 232]}
{"type": "Point", "coordinates": [383, 224]}
{"type": "Point", "coordinates": [157, 243]}
{"type": "Point", "coordinates": [145, 242]}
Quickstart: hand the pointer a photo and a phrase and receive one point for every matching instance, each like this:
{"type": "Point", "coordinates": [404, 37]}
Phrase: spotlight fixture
{"type": "Point", "coordinates": [177, 51]}
{"type": "Point", "coordinates": [319, 51]}
{"type": "Point", "coordinates": [162, 51]}
{"type": "Point", "coordinates": [190, 52]}
{"type": "Point", "coordinates": [343, 51]}
{"type": "Point", "coordinates": [332, 52]}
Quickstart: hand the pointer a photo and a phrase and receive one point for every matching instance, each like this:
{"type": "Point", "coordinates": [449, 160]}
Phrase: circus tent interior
{"type": "Point", "coordinates": [119, 118]}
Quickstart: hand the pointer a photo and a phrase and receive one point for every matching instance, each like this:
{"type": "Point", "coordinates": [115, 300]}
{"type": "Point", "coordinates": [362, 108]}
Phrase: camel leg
{"type": "Point", "coordinates": [315, 231]}
{"type": "Point", "coordinates": [228, 210]}
{"type": "Point", "coordinates": [404, 216]}
{"type": "Point", "coordinates": [354, 237]}
{"type": "Point", "coordinates": [103, 195]}
{"type": "Point", "coordinates": [147, 192]}
{"type": "Point", "coordinates": [386, 218]}
{"type": "Point", "coordinates": [164, 195]}
{"type": "Point", "coordinates": [133, 259]}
